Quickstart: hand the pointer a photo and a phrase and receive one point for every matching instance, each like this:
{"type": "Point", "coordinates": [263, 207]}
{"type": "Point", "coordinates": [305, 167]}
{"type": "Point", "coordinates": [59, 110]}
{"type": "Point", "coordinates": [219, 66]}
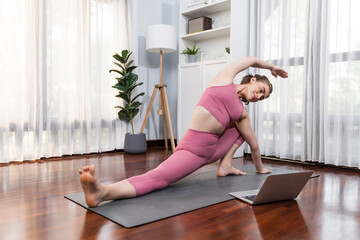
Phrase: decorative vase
{"type": "Point", "coordinates": [192, 58]}
{"type": "Point", "coordinates": [135, 143]}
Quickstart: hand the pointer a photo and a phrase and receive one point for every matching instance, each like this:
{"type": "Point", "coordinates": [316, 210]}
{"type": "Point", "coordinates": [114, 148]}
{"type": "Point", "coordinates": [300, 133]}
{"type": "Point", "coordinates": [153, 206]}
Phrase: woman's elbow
{"type": "Point", "coordinates": [252, 60]}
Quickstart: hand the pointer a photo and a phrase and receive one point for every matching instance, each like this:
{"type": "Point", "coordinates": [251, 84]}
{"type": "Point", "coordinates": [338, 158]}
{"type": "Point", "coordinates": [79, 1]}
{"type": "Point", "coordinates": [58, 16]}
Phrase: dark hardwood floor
{"type": "Point", "coordinates": [32, 205]}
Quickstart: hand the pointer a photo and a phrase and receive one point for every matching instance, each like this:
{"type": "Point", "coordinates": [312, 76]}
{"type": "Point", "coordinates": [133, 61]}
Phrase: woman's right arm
{"type": "Point", "coordinates": [246, 131]}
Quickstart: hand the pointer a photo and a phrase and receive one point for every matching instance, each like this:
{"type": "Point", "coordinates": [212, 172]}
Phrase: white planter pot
{"type": "Point", "coordinates": [192, 58]}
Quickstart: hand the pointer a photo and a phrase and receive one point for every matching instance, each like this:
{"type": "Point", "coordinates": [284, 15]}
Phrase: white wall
{"type": "Point", "coordinates": [144, 13]}
{"type": "Point", "coordinates": [239, 36]}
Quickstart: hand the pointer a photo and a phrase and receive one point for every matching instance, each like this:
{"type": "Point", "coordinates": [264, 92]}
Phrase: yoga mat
{"type": "Point", "coordinates": [197, 190]}
{"type": "Point", "coordinates": [314, 175]}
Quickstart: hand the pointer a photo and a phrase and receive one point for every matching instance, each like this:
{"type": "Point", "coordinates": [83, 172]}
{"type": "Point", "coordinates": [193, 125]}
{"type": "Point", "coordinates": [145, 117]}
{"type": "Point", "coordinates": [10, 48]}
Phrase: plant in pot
{"type": "Point", "coordinates": [126, 83]}
{"type": "Point", "coordinates": [191, 52]}
{"type": "Point", "coordinates": [227, 49]}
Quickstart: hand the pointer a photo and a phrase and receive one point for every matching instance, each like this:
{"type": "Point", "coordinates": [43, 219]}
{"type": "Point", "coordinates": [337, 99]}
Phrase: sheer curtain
{"type": "Point", "coordinates": [314, 115]}
{"type": "Point", "coordinates": [56, 90]}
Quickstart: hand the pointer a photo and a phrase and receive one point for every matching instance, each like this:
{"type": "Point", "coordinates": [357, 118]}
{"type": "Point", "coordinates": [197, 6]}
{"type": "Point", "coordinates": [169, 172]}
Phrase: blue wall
{"type": "Point", "coordinates": [146, 13]}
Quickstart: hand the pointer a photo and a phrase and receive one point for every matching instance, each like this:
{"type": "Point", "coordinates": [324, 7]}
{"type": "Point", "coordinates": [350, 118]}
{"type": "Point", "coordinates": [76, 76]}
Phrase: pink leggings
{"type": "Point", "coordinates": [195, 150]}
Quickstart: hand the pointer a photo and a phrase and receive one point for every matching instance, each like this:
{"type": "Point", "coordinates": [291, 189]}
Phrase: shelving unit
{"type": "Point", "coordinates": [211, 42]}
{"type": "Point", "coordinates": [212, 33]}
{"type": "Point", "coordinates": [194, 77]}
{"type": "Point", "coordinates": [209, 9]}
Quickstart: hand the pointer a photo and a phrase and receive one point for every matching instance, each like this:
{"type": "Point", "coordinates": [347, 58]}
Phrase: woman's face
{"type": "Point", "coordinates": [257, 91]}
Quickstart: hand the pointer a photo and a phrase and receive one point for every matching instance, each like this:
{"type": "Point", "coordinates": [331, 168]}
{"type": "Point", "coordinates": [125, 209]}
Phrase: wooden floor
{"type": "Point", "coordinates": [32, 205]}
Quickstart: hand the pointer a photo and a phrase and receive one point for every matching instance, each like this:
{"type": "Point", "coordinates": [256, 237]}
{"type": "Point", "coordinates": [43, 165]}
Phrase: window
{"type": "Point", "coordinates": [315, 113]}
{"type": "Point", "coordinates": [55, 58]}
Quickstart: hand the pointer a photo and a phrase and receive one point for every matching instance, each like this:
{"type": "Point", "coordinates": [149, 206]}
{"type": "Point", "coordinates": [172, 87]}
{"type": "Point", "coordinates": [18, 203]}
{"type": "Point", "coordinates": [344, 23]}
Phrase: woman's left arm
{"type": "Point", "coordinates": [275, 71]}
{"type": "Point", "coordinates": [242, 64]}
{"type": "Point", "coordinates": [246, 131]}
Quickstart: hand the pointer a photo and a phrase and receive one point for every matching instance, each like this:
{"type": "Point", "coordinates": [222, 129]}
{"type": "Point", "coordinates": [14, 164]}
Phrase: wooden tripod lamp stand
{"type": "Point", "coordinates": [161, 39]}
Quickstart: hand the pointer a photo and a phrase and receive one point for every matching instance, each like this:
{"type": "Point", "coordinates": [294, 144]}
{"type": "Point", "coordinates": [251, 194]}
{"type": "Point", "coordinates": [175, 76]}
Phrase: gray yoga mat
{"type": "Point", "coordinates": [196, 191]}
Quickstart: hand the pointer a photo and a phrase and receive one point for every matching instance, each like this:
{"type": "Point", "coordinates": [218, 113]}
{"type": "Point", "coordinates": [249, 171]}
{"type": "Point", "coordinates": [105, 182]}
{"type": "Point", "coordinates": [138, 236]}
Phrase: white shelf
{"type": "Point", "coordinates": [209, 9]}
{"type": "Point", "coordinates": [216, 32]}
{"type": "Point", "coordinates": [208, 62]}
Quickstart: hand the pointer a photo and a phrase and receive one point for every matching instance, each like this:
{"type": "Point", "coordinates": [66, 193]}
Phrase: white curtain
{"type": "Point", "coordinates": [314, 115]}
{"type": "Point", "coordinates": [56, 96]}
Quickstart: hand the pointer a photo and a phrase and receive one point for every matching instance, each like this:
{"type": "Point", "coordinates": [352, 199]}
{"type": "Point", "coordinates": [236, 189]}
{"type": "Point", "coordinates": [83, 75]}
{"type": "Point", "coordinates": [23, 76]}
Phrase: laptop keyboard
{"type": "Point", "coordinates": [250, 197]}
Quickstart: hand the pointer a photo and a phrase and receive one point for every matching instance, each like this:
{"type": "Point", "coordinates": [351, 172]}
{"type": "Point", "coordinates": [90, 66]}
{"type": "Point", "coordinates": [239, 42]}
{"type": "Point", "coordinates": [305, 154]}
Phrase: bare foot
{"type": "Point", "coordinates": [93, 190]}
{"type": "Point", "coordinates": [222, 172]}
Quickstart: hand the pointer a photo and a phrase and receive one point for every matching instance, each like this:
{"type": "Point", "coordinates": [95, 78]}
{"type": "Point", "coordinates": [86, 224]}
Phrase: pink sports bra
{"type": "Point", "coordinates": [223, 103]}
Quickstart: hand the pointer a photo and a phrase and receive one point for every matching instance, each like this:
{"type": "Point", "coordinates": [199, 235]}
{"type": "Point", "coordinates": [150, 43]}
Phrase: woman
{"type": "Point", "coordinates": [219, 126]}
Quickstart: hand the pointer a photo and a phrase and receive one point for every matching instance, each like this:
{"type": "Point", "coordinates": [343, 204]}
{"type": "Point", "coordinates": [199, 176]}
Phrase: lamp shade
{"type": "Point", "coordinates": [161, 37]}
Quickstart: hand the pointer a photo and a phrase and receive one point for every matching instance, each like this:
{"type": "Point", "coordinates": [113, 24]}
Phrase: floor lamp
{"type": "Point", "coordinates": [161, 39]}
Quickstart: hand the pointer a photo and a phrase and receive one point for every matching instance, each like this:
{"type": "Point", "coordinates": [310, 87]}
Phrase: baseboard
{"type": "Point", "coordinates": [159, 143]}
{"type": "Point", "coordinates": [317, 164]}
{"type": "Point", "coordinates": [150, 143]}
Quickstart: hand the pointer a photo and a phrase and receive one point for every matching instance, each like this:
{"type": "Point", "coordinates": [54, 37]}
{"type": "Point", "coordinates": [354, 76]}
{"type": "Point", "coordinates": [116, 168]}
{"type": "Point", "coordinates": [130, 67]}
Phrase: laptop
{"type": "Point", "coordinates": [277, 187]}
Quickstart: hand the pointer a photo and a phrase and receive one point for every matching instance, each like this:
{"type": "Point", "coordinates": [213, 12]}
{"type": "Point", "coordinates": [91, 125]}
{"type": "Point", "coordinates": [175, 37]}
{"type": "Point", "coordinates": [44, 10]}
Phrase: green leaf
{"type": "Point", "coordinates": [134, 86]}
{"type": "Point", "coordinates": [136, 111]}
{"type": "Point", "coordinates": [128, 107]}
{"type": "Point", "coordinates": [190, 51]}
{"type": "Point", "coordinates": [130, 69]}
{"type": "Point", "coordinates": [119, 58]}
{"type": "Point", "coordinates": [114, 70]}
{"type": "Point", "coordinates": [135, 105]}
{"type": "Point", "coordinates": [124, 96]}
{"type": "Point", "coordinates": [227, 49]}
{"type": "Point", "coordinates": [123, 115]}
{"type": "Point", "coordinates": [120, 87]}
{"type": "Point", "coordinates": [140, 94]}
{"type": "Point", "coordinates": [120, 107]}
{"type": "Point", "coordinates": [124, 54]}
{"type": "Point", "coordinates": [125, 79]}
{"type": "Point", "coordinates": [129, 64]}
{"type": "Point", "coordinates": [121, 81]}
{"type": "Point", "coordinates": [128, 56]}
{"type": "Point", "coordinates": [121, 66]}
{"type": "Point", "coordinates": [131, 80]}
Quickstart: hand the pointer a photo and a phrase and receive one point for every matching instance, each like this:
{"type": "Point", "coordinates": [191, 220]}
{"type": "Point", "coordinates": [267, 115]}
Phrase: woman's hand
{"type": "Point", "coordinates": [276, 71]}
{"type": "Point", "coordinates": [264, 170]}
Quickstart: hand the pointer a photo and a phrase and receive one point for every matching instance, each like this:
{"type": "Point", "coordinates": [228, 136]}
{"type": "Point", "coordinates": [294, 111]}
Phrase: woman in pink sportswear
{"type": "Point", "coordinates": [220, 125]}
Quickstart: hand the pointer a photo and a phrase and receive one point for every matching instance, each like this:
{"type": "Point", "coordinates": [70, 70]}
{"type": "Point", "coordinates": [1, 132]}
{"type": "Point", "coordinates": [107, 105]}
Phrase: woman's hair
{"type": "Point", "coordinates": [259, 78]}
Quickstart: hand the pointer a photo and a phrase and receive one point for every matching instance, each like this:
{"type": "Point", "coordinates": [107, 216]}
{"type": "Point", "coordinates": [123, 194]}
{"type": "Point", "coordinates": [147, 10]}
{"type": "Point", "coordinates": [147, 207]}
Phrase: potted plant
{"type": "Point", "coordinates": [126, 83]}
{"type": "Point", "coordinates": [191, 52]}
{"type": "Point", "coordinates": [227, 49]}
